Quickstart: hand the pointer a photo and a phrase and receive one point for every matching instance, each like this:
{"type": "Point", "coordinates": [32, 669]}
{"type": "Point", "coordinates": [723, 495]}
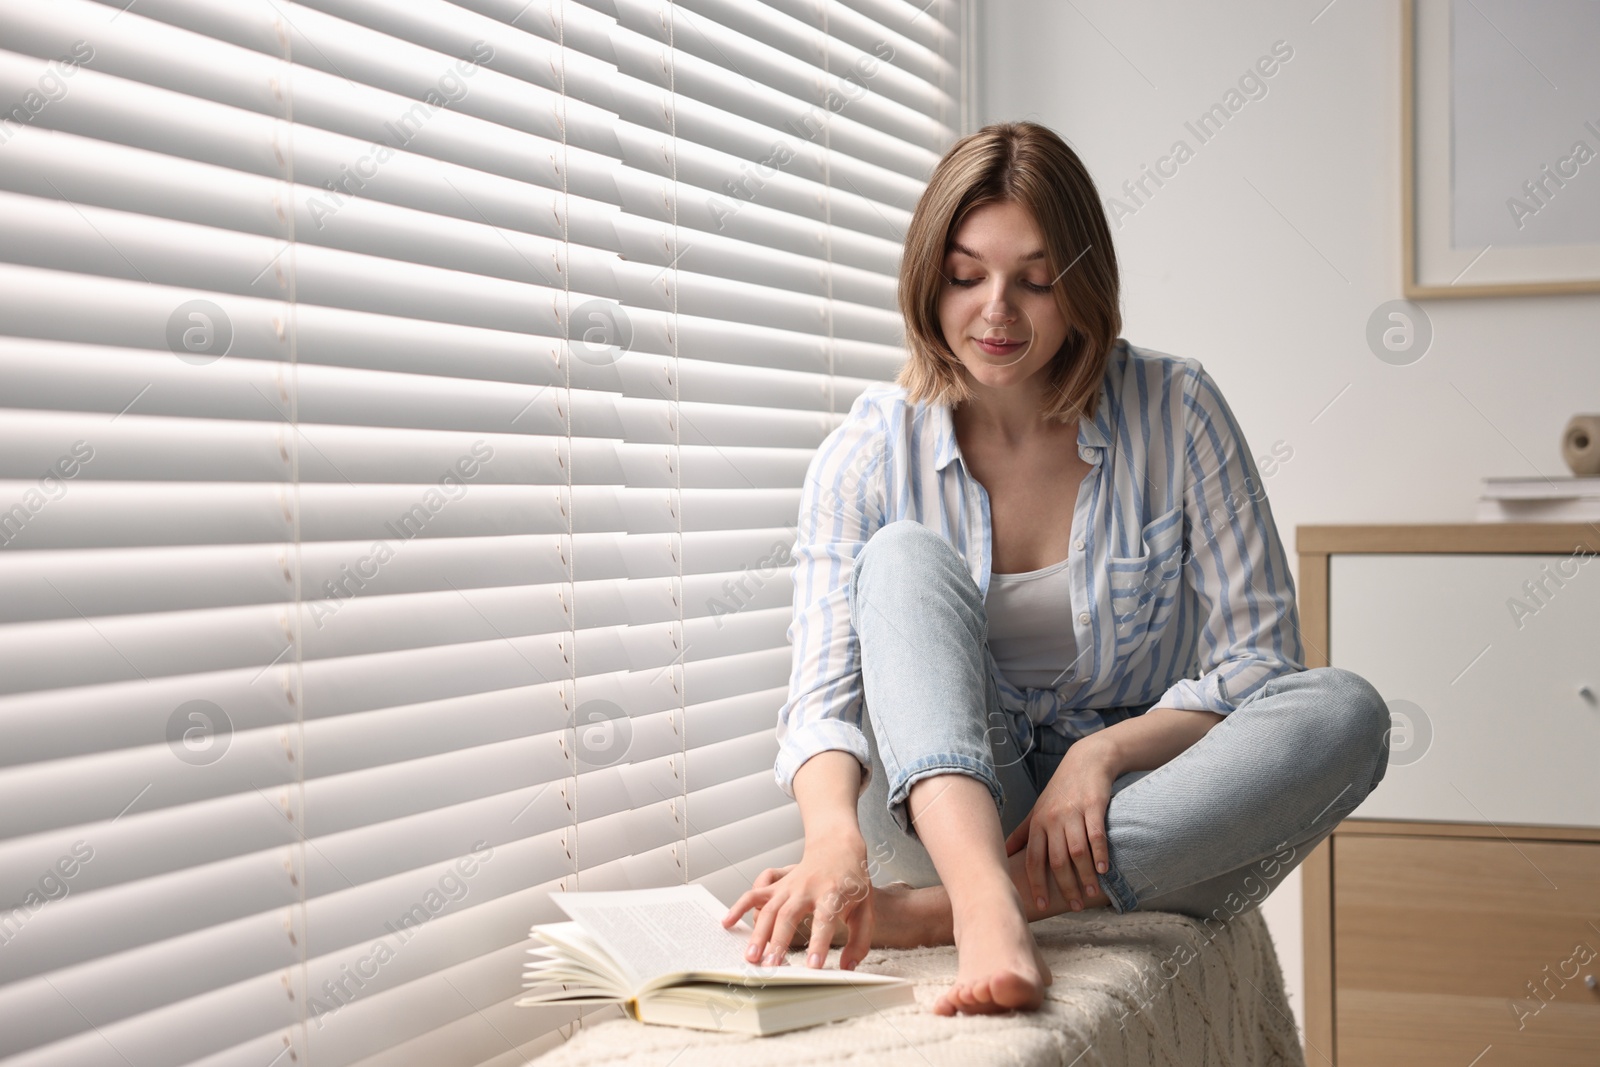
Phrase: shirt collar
{"type": "Point", "coordinates": [1092, 433]}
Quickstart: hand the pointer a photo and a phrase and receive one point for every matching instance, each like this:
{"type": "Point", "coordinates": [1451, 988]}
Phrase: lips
{"type": "Point", "coordinates": [998, 348]}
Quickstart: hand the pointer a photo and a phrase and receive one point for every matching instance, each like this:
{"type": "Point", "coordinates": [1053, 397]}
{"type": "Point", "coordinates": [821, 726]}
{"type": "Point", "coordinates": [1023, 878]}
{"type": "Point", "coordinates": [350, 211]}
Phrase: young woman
{"type": "Point", "coordinates": [1046, 651]}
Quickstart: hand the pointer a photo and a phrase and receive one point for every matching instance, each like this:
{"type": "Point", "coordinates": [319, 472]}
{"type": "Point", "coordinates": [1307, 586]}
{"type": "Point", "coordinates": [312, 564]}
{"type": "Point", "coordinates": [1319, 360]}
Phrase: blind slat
{"type": "Point", "coordinates": [139, 314]}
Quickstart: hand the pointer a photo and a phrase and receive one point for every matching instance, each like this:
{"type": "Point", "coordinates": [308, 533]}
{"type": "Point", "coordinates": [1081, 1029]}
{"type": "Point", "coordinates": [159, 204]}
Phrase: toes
{"type": "Point", "coordinates": [1006, 991]}
{"type": "Point", "coordinates": [1012, 991]}
{"type": "Point", "coordinates": [1044, 968]}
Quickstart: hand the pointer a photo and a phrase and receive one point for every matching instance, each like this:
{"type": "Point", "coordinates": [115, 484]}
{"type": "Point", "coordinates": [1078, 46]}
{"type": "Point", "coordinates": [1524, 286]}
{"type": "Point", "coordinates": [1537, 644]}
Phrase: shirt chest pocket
{"type": "Point", "coordinates": [1144, 588]}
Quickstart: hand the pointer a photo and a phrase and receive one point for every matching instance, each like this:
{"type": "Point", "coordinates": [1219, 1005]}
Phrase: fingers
{"type": "Point", "coordinates": [1095, 820]}
{"type": "Point", "coordinates": [772, 874]}
{"type": "Point", "coordinates": [766, 918]}
{"type": "Point", "coordinates": [766, 879]}
{"type": "Point", "coordinates": [754, 897]}
{"type": "Point", "coordinates": [859, 942]}
{"type": "Point", "coordinates": [1061, 867]}
{"type": "Point", "coordinates": [783, 915]}
{"type": "Point", "coordinates": [783, 928]}
{"type": "Point", "coordinates": [802, 933]}
{"type": "Point", "coordinates": [822, 925]}
{"type": "Point", "coordinates": [1077, 842]}
{"type": "Point", "coordinates": [1037, 846]}
{"type": "Point", "coordinates": [751, 898]}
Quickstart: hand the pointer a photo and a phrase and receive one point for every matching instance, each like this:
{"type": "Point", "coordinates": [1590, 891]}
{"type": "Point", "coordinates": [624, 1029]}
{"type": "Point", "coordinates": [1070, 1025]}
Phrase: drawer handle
{"type": "Point", "coordinates": [1589, 981]}
{"type": "Point", "coordinates": [1586, 693]}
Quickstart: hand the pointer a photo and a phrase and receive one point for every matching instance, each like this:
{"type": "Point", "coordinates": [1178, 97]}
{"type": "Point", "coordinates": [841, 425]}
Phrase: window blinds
{"type": "Point", "coordinates": [403, 408]}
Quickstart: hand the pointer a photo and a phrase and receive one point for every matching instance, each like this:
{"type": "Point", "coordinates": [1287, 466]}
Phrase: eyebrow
{"type": "Point", "coordinates": [957, 246]}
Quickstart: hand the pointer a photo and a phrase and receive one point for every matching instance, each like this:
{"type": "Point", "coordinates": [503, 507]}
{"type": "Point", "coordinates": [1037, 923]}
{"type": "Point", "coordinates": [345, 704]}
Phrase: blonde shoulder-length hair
{"type": "Point", "coordinates": [1028, 164]}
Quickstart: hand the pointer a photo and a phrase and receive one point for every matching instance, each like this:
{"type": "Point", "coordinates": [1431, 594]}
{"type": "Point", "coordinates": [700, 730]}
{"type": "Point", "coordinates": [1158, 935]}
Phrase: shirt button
{"type": "Point", "coordinates": [1083, 617]}
{"type": "Point", "coordinates": [1087, 454]}
{"type": "Point", "coordinates": [1078, 544]}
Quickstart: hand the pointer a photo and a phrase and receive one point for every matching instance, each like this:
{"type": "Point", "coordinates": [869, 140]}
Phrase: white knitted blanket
{"type": "Point", "coordinates": [1146, 988]}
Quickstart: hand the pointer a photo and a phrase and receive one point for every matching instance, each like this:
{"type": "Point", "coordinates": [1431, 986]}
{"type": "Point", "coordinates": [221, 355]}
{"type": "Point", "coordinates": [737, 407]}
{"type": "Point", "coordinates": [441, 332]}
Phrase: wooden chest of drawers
{"type": "Point", "coordinates": [1454, 918]}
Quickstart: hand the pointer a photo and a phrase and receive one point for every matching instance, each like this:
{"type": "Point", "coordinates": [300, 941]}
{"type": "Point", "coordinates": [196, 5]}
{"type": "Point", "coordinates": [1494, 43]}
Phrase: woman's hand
{"type": "Point", "coordinates": [1067, 825]}
{"type": "Point", "coordinates": [830, 885]}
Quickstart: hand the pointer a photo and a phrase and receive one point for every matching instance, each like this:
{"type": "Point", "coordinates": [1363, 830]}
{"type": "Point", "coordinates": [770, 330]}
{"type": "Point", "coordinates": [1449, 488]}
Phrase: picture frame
{"type": "Point", "coordinates": [1453, 169]}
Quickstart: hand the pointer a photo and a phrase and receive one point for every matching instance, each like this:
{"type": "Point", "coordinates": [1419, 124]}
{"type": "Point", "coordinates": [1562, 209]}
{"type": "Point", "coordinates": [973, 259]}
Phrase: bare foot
{"type": "Point", "coordinates": [1001, 967]}
{"type": "Point", "coordinates": [903, 917]}
{"type": "Point", "coordinates": [912, 918]}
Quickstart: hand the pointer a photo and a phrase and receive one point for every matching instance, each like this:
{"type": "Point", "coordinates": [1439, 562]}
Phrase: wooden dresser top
{"type": "Point", "coordinates": [1564, 537]}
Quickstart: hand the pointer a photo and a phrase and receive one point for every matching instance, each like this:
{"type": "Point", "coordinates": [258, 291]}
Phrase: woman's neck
{"type": "Point", "coordinates": [1014, 421]}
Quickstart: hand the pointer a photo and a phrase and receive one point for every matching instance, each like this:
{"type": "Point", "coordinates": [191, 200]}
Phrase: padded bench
{"type": "Point", "coordinates": [1145, 988]}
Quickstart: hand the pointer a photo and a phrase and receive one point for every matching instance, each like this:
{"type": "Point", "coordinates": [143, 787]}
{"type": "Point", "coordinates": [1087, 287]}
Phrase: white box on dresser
{"type": "Point", "coordinates": [1454, 918]}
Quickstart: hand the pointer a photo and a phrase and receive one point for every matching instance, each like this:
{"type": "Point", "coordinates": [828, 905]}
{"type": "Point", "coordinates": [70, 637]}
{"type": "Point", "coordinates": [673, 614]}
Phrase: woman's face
{"type": "Point", "coordinates": [997, 286]}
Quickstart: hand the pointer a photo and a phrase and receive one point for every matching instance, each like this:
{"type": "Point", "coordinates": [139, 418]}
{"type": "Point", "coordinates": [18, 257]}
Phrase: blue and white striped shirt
{"type": "Point", "coordinates": [1184, 586]}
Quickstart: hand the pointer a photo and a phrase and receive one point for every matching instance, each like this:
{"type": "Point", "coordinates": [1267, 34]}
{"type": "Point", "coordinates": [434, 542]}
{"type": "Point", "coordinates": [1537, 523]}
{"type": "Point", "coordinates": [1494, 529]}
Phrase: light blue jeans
{"type": "Point", "coordinates": [1209, 834]}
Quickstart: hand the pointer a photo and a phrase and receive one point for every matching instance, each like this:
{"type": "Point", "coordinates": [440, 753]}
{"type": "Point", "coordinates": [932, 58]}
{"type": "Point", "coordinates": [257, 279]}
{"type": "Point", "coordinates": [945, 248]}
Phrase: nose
{"type": "Point", "coordinates": [997, 312]}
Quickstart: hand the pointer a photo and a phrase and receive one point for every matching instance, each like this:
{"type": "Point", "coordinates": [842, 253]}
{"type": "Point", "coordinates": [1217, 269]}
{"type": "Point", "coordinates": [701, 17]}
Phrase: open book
{"type": "Point", "coordinates": [664, 954]}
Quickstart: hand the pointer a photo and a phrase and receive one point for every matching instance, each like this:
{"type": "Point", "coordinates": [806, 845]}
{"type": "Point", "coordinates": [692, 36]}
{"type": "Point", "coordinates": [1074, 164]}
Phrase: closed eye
{"type": "Point", "coordinates": [967, 283]}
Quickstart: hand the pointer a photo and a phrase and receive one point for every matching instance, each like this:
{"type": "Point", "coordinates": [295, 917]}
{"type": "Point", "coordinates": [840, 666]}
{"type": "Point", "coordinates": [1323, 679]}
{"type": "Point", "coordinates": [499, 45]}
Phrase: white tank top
{"type": "Point", "coordinates": [1030, 626]}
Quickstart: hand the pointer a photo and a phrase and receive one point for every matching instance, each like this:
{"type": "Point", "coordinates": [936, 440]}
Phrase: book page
{"type": "Point", "coordinates": [655, 932]}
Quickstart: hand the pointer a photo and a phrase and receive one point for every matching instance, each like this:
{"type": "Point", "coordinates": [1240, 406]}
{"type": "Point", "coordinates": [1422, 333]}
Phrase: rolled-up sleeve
{"type": "Point", "coordinates": [1237, 567]}
{"type": "Point", "coordinates": [841, 505]}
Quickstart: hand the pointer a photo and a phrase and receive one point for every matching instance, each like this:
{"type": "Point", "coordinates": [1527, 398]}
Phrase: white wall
{"type": "Point", "coordinates": [1268, 251]}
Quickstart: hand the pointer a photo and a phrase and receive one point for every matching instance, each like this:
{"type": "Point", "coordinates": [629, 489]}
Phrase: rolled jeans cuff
{"type": "Point", "coordinates": [1117, 891]}
{"type": "Point", "coordinates": [900, 788]}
